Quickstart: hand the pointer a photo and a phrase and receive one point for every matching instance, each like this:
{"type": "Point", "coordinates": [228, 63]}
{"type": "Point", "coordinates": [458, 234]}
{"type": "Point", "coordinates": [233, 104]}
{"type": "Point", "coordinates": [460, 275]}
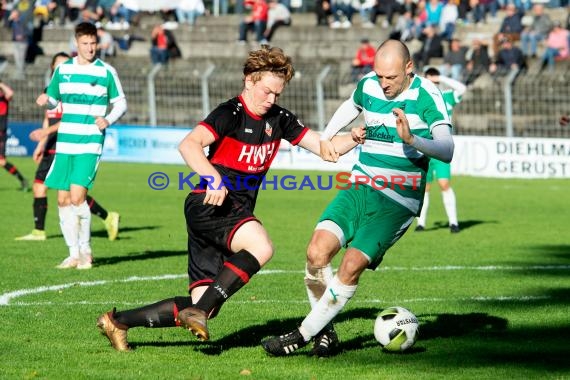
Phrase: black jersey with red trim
{"type": "Point", "coordinates": [4, 105]}
{"type": "Point", "coordinates": [246, 144]}
{"type": "Point", "coordinates": [54, 117]}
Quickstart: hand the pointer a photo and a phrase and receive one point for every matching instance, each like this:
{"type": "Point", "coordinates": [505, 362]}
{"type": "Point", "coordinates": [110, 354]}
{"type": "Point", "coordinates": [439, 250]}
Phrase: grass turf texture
{"type": "Point", "coordinates": [492, 301]}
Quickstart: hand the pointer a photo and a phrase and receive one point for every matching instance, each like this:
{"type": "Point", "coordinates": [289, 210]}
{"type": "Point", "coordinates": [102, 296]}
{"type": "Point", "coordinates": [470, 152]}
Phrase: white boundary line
{"type": "Point", "coordinates": [358, 300]}
{"type": "Point", "coordinates": [5, 298]}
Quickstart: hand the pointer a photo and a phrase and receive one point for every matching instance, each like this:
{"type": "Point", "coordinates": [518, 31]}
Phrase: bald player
{"type": "Point", "coordinates": [406, 122]}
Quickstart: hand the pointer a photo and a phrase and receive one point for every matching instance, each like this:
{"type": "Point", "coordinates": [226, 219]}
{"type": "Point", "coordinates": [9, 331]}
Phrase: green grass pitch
{"type": "Point", "coordinates": [493, 301]}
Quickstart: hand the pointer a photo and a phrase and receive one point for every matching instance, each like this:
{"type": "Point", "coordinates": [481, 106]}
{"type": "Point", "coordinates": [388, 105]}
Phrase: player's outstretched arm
{"type": "Point", "coordinates": [343, 116]}
{"type": "Point", "coordinates": [344, 143]}
{"type": "Point", "coordinates": [310, 141]}
{"type": "Point", "coordinates": [458, 87]}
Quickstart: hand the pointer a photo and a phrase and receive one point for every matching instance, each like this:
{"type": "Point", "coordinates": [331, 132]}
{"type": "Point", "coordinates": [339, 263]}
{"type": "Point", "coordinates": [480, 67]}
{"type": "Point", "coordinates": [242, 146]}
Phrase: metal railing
{"type": "Point", "coordinates": [181, 94]}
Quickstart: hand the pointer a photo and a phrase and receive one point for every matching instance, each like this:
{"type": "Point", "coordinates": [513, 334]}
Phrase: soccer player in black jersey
{"type": "Point", "coordinates": [6, 94]}
{"type": "Point", "coordinates": [227, 244]}
{"type": "Point", "coordinates": [44, 155]}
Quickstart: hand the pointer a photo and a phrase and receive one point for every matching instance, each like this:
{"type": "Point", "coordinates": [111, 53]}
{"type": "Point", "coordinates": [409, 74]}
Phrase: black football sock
{"type": "Point", "coordinates": [96, 208]}
{"type": "Point", "coordinates": [236, 272]}
{"type": "Point", "coordinates": [40, 211]}
{"type": "Point", "coordinates": [14, 171]}
{"type": "Point", "coordinates": [159, 314]}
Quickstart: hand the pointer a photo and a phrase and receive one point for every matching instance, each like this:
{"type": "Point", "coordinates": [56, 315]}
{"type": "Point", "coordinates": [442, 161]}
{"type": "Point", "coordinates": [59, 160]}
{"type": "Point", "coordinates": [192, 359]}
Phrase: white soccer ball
{"type": "Point", "coordinates": [396, 329]}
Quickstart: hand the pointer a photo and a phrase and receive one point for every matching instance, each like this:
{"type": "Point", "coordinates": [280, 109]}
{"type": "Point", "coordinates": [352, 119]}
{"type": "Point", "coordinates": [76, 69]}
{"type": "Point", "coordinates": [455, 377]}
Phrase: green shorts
{"type": "Point", "coordinates": [370, 221]}
{"type": "Point", "coordinates": [438, 169]}
{"type": "Point", "coordinates": [67, 170]}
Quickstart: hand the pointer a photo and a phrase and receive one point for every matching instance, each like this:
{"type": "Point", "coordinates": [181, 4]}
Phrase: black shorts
{"type": "Point", "coordinates": [43, 168]}
{"type": "Point", "coordinates": [210, 232]}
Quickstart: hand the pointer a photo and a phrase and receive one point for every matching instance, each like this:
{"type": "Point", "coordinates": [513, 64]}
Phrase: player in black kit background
{"type": "Point", "coordinates": [227, 245]}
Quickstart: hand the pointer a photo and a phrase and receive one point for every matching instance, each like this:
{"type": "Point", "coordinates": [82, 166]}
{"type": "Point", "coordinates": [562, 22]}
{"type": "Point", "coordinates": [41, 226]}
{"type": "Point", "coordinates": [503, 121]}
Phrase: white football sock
{"type": "Point", "coordinates": [449, 204]}
{"type": "Point", "coordinates": [331, 303]}
{"type": "Point", "coordinates": [316, 281]}
{"type": "Point", "coordinates": [69, 225]}
{"type": "Point", "coordinates": [83, 213]}
{"type": "Point", "coordinates": [423, 214]}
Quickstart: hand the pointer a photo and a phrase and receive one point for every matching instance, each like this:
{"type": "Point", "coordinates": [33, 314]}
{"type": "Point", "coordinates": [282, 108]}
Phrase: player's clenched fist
{"type": "Point", "coordinates": [215, 197]}
{"type": "Point", "coordinates": [328, 152]}
{"type": "Point", "coordinates": [358, 134]}
{"type": "Point", "coordinates": [42, 100]}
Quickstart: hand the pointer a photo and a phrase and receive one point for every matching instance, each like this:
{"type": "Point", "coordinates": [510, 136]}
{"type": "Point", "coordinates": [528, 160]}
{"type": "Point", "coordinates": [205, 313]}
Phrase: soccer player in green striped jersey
{"type": "Point", "coordinates": [88, 89]}
{"type": "Point", "coordinates": [439, 169]}
{"type": "Point", "coordinates": [405, 123]}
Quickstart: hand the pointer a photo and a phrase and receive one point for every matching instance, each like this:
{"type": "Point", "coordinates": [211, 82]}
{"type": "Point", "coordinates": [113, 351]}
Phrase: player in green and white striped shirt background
{"type": "Point", "coordinates": [406, 123]}
{"type": "Point", "coordinates": [439, 169]}
{"type": "Point", "coordinates": [92, 98]}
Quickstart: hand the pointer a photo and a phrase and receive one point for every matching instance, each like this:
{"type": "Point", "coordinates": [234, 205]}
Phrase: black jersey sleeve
{"type": "Point", "coordinates": [293, 128]}
{"type": "Point", "coordinates": [222, 120]}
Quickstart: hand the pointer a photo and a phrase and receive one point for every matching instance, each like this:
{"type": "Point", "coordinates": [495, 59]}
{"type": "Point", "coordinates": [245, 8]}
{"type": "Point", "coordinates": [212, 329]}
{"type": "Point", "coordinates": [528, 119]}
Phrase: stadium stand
{"type": "Point", "coordinates": [538, 98]}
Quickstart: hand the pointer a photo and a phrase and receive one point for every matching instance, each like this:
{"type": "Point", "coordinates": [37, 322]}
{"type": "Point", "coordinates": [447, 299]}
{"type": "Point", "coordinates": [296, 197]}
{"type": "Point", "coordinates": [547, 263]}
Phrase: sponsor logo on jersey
{"type": "Point", "coordinates": [67, 77]}
{"type": "Point", "coordinates": [248, 130]}
{"type": "Point", "coordinates": [268, 129]}
{"type": "Point", "coordinates": [379, 133]}
{"type": "Point", "coordinates": [256, 155]}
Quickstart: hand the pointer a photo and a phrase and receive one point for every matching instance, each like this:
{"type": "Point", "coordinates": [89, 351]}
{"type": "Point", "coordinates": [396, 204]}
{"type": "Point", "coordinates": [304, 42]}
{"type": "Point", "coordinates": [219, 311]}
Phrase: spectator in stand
{"type": "Point", "coordinates": [342, 11]}
{"type": "Point", "coordinates": [74, 9]}
{"type": "Point", "coordinates": [21, 19]}
{"type": "Point", "coordinates": [448, 19]}
{"type": "Point", "coordinates": [105, 42]}
{"type": "Point", "coordinates": [130, 11]}
{"type": "Point", "coordinates": [432, 47]}
{"type": "Point", "coordinates": [420, 20]}
{"type": "Point", "coordinates": [556, 46]}
{"type": "Point", "coordinates": [363, 60]}
{"type": "Point", "coordinates": [510, 57]}
{"type": "Point", "coordinates": [188, 11]}
{"type": "Point", "coordinates": [278, 15]}
{"type": "Point", "coordinates": [366, 9]}
{"type": "Point", "coordinates": [387, 7]}
{"type": "Point", "coordinates": [511, 27]}
{"type": "Point", "coordinates": [454, 61]}
{"type": "Point", "coordinates": [403, 30]}
{"type": "Point", "coordinates": [256, 21]}
{"type": "Point", "coordinates": [323, 12]}
{"type": "Point", "coordinates": [464, 8]}
{"type": "Point", "coordinates": [482, 8]}
{"type": "Point", "coordinates": [568, 23]}
{"type": "Point", "coordinates": [62, 11]}
{"type": "Point", "coordinates": [159, 45]}
{"type": "Point", "coordinates": [89, 12]}
{"type": "Point", "coordinates": [433, 10]}
{"type": "Point", "coordinates": [478, 61]}
{"type": "Point", "coordinates": [536, 32]}
{"type": "Point", "coordinates": [107, 10]}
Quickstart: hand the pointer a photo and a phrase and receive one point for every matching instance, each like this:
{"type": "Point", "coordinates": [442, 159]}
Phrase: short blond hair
{"type": "Point", "coordinates": [268, 59]}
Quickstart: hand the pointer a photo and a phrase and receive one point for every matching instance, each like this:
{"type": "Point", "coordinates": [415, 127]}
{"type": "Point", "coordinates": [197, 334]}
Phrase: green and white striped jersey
{"type": "Point", "coordinates": [397, 169]}
{"type": "Point", "coordinates": [451, 99]}
{"type": "Point", "coordinates": [85, 92]}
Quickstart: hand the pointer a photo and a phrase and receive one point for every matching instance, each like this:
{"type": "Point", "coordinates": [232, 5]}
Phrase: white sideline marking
{"type": "Point", "coordinates": [7, 297]}
{"type": "Point", "coordinates": [364, 301]}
